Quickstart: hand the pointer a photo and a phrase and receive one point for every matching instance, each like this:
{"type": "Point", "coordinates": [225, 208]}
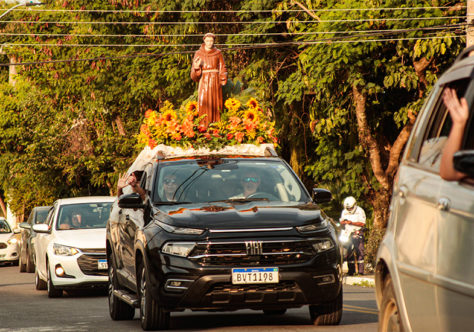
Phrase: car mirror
{"type": "Point", "coordinates": [321, 195]}
{"type": "Point", "coordinates": [25, 225]}
{"type": "Point", "coordinates": [131, 201]}
{"type": "Point", "coordinates": [41, 228]}
{"type": "Point", "coordinates": [464, 162]}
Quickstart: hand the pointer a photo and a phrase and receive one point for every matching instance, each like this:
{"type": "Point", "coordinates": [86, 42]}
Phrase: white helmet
{"type": "Point", "coordinates": [350, 204]}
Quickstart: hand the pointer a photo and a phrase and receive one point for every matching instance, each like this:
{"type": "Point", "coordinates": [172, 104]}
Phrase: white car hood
{"type": "Point", "coordinates": [82, 238]}
{"type": "Point", "coordinates": [4, 237]}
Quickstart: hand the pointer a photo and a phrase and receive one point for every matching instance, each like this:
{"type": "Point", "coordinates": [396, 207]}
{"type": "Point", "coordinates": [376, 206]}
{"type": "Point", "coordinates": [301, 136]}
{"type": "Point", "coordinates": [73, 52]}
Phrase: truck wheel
{"type": "Point", "coordinates": [327, 313]}
{"type": "Point", "coordinates": [52, 290]}
{"type": "Point", "coordinates": [39, 283]}
{"type": "Point", "coordinates": [118, 309]}
{"type": "Point", "coordinates": [152, 315]}
{"type": "Point", "coordinates": [389, 317]}
{"type": "Point", "coordinates": [22, 264]}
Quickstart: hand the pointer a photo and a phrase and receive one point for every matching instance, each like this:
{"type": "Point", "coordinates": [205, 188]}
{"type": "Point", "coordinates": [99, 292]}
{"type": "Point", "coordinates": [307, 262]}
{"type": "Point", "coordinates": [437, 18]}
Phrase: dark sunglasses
{"type": "Point", "coordinates": [169, 181]}
{"type": "Point", "coordinates": [250, 179]}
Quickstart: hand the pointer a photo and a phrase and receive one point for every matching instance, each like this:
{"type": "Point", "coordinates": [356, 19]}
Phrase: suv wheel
{"type": "Point", "coordinates": [21, 263]}
{"type": "Point", "coordinates": [389, 317]}
{"type": "Point", "coordinates": [327, 313]}
{"type": "Point", "coordinates": [52, 290]}
{"type": "Point", "coordinates": [39, 283]}
{"type": "Point", "coordinates": [118, 309]}
{"type": "Point", "coordinates": [152, 315]}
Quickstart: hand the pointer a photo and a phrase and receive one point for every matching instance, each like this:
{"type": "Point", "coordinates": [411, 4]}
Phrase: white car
{"type": "Point", "coordinates": [8, 243]}
{"type": "Point", "coordinates": [70, 245]}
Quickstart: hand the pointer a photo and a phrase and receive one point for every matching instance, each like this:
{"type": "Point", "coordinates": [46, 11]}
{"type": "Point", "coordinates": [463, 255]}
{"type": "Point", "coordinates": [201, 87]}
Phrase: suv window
{"type": "Point", "coordinates": [438, 129]}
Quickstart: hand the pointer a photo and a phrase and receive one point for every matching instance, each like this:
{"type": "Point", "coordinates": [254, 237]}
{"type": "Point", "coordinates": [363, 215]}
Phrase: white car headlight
{"type": "Point", "coordinates": [62, 250]}
{"type": "Point", "coordinates": [12, 241]}
{"type": "Point", "coordinates": [178, 248]}
{"type": "Point", "coordinates": [180, 230]}
{"type": "Point", "coordinates": [323, 245]}
{"type": "Point", "coordinates": [312, 227]}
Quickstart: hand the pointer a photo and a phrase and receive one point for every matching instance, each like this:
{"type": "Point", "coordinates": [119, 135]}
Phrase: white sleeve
{"type": "Point", "coordinates": [361, 214]}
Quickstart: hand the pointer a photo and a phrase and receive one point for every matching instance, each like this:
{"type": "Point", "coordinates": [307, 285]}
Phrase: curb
{"type": "Point", "coordinates": [368, 281]}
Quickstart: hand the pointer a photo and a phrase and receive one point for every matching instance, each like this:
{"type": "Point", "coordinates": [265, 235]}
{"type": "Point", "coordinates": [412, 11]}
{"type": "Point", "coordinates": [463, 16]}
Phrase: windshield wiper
{"type": "Point", "coordinates": [171, 203]}
{"type": "Point", "coordinates": [240, 200]}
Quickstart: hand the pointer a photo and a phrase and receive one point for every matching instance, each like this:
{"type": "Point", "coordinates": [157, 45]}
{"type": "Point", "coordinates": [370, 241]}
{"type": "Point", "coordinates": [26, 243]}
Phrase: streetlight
{"type": "Point", "coordinates": [22, 3]}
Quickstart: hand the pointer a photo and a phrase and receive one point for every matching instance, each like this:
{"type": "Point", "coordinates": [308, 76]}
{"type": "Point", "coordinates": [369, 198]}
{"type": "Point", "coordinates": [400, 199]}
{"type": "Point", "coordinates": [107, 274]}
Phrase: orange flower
{"type": "Point", "coordinates": [148, 113]}
{"type": "Point", "coordinates": [207, 135]}
{"type": "Point", "coordinates": [151, 143]}
{"type": "Point", "coordinates": [239, 136]}
{"type": "Point", "coordinates": [188, 128]}
{"type": "Point", "coordinates": [144, 129]}
{"type": "Point", "coordinates": [249, 125]}
{"type": "Point", "coordinates": [215, 133]}
{"type": "Point", "coordinates": [177, 136]}
{"type": "Point", "coordinates": [260, 139]}
{"type": "Point", "coordinates": [202, 128]}
{"type": "Point", "coordinates": [252, 103]}
{"type": "Point", "coordinates": [230, 136]}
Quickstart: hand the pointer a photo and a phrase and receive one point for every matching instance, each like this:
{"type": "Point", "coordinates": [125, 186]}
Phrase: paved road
{"type": "Point", "coordinates": [22, 308]}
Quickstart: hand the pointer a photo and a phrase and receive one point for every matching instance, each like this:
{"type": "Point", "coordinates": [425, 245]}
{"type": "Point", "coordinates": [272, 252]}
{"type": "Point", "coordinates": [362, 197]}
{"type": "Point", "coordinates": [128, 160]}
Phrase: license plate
{"type": "Point", "coordinates": [102, 264]}
{"type": "Point", "coordinates": [255, 275]}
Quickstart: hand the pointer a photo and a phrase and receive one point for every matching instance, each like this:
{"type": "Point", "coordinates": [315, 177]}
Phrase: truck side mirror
{"type": "Point", "coordinates": [321, 195]}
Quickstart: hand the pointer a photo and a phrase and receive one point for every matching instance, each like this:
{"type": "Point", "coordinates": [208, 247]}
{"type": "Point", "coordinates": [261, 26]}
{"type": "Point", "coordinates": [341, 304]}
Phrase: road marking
{"type": "Point", "coordinates": [354, 308]}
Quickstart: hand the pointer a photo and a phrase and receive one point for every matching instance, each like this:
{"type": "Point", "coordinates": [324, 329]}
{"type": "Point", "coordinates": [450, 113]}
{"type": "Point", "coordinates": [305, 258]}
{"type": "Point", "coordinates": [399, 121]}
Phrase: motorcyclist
{"type": "Point", "coordinates": [353, 218]}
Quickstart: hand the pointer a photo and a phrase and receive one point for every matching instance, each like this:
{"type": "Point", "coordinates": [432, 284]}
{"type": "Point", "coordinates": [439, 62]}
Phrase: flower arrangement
{"type": "Point", "coordinates": [240, 124]}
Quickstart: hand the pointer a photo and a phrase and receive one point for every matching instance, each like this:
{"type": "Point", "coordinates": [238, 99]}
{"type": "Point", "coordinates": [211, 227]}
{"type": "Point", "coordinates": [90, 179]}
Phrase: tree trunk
{"type": "Point", "coordinates": [3, 206]}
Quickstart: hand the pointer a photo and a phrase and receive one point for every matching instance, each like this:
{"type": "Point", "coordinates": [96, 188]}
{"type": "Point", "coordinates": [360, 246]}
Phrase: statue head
{"type": "Point", "coordinates": [209, 39]}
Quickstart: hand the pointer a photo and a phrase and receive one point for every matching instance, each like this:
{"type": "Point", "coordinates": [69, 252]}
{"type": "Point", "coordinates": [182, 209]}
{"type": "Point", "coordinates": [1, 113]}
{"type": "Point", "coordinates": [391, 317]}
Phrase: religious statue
{"type": "Point", "coordinates": [209, 70]}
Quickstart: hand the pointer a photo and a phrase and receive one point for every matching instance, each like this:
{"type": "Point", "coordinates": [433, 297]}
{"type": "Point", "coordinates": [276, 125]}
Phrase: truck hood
{"type": "Point", "coordinates": [82, 238]}
{"type": "Point", "coordinates": [224, 215]}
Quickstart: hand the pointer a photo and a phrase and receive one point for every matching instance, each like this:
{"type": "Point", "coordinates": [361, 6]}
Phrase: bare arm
{"type": "Point", "coordinates": [459, 112]}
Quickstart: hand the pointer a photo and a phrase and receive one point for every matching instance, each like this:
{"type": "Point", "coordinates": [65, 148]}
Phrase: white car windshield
{"type": "Point", "coordinates": [212, 180]}
{"type": "Point", "coordinates": [4, 227]}
{"type": "Point", "coordinates": [83, 216]}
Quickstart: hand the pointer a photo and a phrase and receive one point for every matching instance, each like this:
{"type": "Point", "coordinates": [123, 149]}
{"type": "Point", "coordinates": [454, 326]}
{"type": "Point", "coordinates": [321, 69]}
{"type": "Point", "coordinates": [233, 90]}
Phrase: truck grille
{"type": "Point", "coordinates": [88, 262]}
{"type": "Point", "coordinates": [241, 254]}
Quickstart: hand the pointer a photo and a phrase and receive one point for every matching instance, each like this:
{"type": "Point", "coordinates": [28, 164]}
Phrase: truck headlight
{"type": "Point", "coordinates": [180, 230]}
{"type": "Point", "coordinates": [62, 250]}
{"type": "Point", "coordinates": [178, 248]}
{"type": "Point", "coordinates": [322, 245]}
{"type": "Point", "coordinates": [312, 227]}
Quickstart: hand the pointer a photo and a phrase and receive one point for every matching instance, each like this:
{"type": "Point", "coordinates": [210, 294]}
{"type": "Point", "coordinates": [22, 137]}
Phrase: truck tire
{"type": "Point", "coordinates": [389, 316]}
{"type": "Point", "coordinates": [327, 313]}
{"type": "Point", "coordinates": [152, 315]}
{"type": "Point", "coordinates": [118, 309]}
{"type": "Point", "coordinates": [53, 291]}
{"type": "Point", "coordinates": [39, 283]}
{"type": "Point", "coordinates": [30, 265]}
{"type": "Point", "coordinates": [21, 263]}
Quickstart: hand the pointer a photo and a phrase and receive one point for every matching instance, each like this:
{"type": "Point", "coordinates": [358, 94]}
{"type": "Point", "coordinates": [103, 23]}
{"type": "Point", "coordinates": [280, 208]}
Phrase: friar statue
{"type": "Point", "coordinates": [209, 70]}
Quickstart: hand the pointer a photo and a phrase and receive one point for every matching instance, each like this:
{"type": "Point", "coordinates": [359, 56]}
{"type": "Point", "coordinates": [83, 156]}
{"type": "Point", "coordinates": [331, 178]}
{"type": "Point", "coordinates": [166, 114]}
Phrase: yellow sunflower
{"type": "Point", "coordinates": [252, 104]}
{"type": "Point", "coordinates": [192, 107]}
{"type": "Point", "coordinates": [251, 115]}
{"type": "Point", "coordinates": [169, 116]}
{"type": "Point", "coordinates": [232, 104]}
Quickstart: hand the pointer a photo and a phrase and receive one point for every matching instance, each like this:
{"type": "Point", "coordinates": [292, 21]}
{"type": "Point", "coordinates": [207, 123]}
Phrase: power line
{"type": "Point", "coordinates": [119, 11]}
{"type": "Point", "coordinates": [439, 27]}
{"type": "Point", "coordinates": [231, 47]}
{"type": "Point", "coordinates": [242, 22]}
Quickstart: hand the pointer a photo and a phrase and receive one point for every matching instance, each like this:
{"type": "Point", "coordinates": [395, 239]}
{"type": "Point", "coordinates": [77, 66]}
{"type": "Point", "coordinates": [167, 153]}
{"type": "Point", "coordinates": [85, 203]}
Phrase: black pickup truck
{"type": "Point", "coordinates": [222, 232]}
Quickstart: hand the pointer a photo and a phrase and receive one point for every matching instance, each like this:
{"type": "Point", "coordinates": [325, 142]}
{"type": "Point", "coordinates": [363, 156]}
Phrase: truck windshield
{"type": "Point", "coordinates": [237, 180]}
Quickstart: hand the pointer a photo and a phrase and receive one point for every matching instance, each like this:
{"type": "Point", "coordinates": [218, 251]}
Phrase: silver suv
{"type": "Point", "coordinates": [425, 269]}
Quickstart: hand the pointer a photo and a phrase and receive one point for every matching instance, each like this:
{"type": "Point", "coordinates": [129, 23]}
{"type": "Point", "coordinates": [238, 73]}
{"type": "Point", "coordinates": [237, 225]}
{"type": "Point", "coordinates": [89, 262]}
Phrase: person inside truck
{"type": "Point", "coordinates": [170, 185]}
{"type": "Point", "coordinates": [250, 182]}
{"type": "Point", "coordinates": [132, 181]}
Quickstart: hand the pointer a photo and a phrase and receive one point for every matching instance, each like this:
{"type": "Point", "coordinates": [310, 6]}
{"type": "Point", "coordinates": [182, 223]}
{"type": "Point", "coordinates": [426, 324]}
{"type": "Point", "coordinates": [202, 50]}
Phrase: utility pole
{"type": "Point", "coordinates": [470, 26]}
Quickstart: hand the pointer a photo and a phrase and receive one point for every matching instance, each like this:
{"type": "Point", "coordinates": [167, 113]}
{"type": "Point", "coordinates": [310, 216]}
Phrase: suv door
{"type": "Point", "coordinates": [418, 215]}
{"type": "Point", "coordinates": [41, 244]}
{"type": "Point", "coordinates": [455, 270]}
